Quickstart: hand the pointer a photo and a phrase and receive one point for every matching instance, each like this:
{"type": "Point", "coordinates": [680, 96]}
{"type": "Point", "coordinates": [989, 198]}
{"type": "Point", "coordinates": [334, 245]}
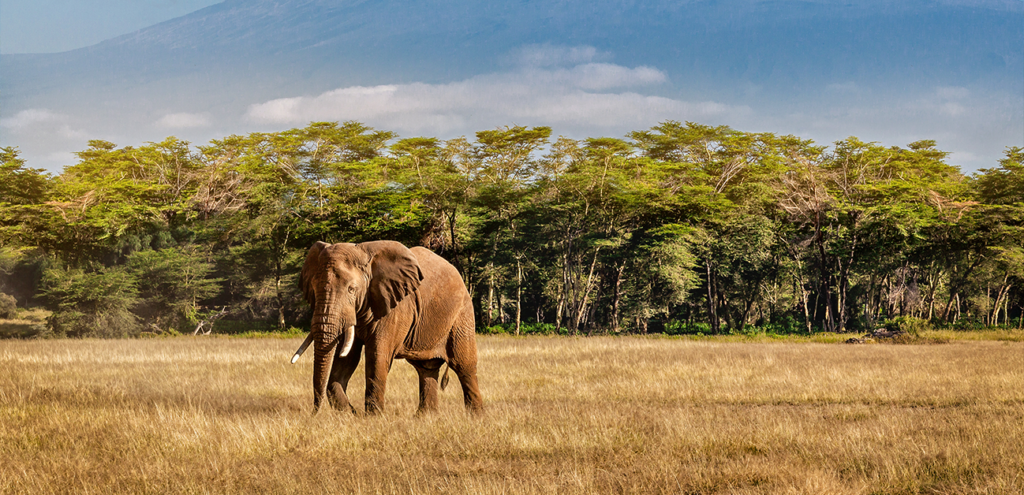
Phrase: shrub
{"type": "Point", "coordinates": [170, 282]}
{"type": "Point", "coordinates": [535, 328]}
{"type": "Point", "coordinates": [8, 307]}
{"type": "Point", "coordinates": [786, 326]}
{"type": "Point", "coordinates": [967, 324]}
{"type": "Point", "coordinates": [906, 324]}
{"type": "Point", "coordinates": [525, 328]}
{"type": "Point", "coordinates": [91, 304]}
{"type": "Point", "coordinates": [675, 327]}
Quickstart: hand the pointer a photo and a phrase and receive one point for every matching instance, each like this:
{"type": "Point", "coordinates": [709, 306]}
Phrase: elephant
{"type": "Point", "coordinates": [394, 302]}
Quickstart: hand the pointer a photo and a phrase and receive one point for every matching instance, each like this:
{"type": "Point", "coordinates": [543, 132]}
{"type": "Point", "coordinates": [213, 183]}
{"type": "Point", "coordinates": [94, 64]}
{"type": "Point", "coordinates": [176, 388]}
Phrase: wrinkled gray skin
{"type": "Point", "coordinates": [392, 302]}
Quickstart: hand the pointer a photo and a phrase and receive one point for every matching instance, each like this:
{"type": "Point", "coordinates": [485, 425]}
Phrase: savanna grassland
{"type": "Point", "coordinates": [565, 415]}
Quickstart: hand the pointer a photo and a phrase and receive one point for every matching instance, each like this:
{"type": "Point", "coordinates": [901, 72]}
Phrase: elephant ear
{"type": "Point", "coordinates": [309, 269]}
{"type": "Point", "coordinates": [394, 274]}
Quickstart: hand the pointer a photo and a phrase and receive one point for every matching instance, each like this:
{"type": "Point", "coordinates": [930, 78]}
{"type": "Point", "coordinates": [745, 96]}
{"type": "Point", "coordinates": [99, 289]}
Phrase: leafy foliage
{"type": "Point", "coordinates": [682, 228]}
{"type": "Point", "coordinates": [92, 303]}
{"type": "Point", "coordinates": [8, 306]}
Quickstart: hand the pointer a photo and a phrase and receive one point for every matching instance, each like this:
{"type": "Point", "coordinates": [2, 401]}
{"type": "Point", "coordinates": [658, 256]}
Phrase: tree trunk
{"type": "Point", "coordinates": [953, 298]}
{"type": "Point", "coordinates": [519, 293]}
{"type": "Point", "coordinates": [581, 305]}
{"type": "Point", "coordinates": [844, 283]}
{"type": "Point", "coordinates": [712, 297]}
{"type": "Point", "coordinates": [802, 290]}
{"type": "Point", "coordinates": [489, 314]}
{"type": "Point", "coordinates": [933, 279]}
{"type": "Point", "coordinates": [824, 285]}
{"type": "Point", "coordinates": [558, 314]}
{"type": "Point", "coordinates": [279, 293]}
{"type": "Point", "coordinates": [723, 307]}
{"type": "Point", "coordinates": [501, 308]}
{"type": "Point", "coordinates": [451, 232]}
{"type": "Point", "coordinates": [490, 282]}
{"type": "Point", "coordinates": [617, 295]}
{"type": "Point", "coordinates": [1003, 289]}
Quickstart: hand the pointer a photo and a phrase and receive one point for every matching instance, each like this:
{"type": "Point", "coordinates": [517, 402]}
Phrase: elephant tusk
{"type": "Point", "coordinates": [302, 348]}
{"type": "Point", "coordinates": [350, 337]}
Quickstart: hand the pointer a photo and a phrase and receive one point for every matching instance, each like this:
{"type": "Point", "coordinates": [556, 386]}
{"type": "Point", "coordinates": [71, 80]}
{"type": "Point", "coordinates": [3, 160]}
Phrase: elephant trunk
{"type": "Point", "coordinates": [325, 328]}
{"type": "Point", "coordinates": [324, 356]}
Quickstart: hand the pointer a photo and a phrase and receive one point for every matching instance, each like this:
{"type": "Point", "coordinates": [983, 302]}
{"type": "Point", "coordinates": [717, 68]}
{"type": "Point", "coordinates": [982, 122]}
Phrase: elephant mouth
{"type": "Point", "coordinates": [350, 337]}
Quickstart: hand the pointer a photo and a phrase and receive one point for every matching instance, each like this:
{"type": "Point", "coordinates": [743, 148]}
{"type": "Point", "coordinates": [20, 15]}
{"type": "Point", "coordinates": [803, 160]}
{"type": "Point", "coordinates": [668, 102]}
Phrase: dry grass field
{"type": "Point", "coordinates": [588, 415]}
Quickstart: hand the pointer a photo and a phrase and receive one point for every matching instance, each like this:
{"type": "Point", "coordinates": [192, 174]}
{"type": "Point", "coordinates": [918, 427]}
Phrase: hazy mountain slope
{"type": "Point", "coordinates": [320, 44]}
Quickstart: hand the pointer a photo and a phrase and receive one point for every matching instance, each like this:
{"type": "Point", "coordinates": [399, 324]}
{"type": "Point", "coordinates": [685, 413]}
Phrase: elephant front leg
{"type": "Point", "coordinates": [377, 367]}
{"type": "Point", "coordinates": [341, 372]}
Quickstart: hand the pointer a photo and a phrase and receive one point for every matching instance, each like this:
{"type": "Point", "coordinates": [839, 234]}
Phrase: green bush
{"type": "Point", "coordinates": [687, 328]}
{"type": "Point", "coordinates": [786, 326]}
{"type": "Point", "coordinates": [525, 328]}
{"type": "Point", "coordinates": [906, 324]}
{"type": "Point", "coordinates": [96, 303]}
{"type": "Point", "coordinates": [537, 328]}
{"type": "Point", "coordinates": [8, 307]}
{"type": "Point", "coordinates": [967, 324]}
{"type": "Point", "coordinates": [170, 283]}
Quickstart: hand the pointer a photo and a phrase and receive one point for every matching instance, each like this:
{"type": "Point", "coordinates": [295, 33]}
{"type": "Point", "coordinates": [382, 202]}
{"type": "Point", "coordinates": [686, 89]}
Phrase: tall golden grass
{"type": "Point", "coordinates": [593, 415]}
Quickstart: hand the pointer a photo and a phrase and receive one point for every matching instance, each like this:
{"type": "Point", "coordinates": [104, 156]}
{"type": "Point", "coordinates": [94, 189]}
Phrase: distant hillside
{"type": "Point", "coordinates": [319, 44]}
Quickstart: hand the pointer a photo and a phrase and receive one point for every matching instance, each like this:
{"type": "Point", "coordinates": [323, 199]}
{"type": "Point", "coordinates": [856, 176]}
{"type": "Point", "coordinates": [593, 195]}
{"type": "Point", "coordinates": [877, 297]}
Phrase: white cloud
{"type": "Point", "coordinates": [972, 124]}
{"type": "Point", "coordinates": [588, 95]}
{"type": "Point", "coordinates": [42, 121]}
{"type": "Point", "coordinates": [32, 116]}
{"type": "Point", "coordinates": [548, 55]}
{"type": "Point", "coordinates": [66, 131]}
{"type": "Point", "coordinates": [183, 121]}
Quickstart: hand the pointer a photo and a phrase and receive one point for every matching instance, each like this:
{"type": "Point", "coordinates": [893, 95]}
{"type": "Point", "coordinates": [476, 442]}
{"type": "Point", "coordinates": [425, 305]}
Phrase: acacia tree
{"type": "Point", "coordinates": [1003, 188]}
{"type": "Point", "coordinates": [504, 171]}
{"type": "Point", "coordinates": [682, 221]}
{"type": "Point", "coordinates": [172, 282]}
{"type": "Point", "coordinates": [428, 168]}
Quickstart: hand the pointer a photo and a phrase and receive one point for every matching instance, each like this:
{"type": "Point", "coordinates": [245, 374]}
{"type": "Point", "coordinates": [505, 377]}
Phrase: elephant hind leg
{"type": "Point", "coordinates": [428, 372]}
{"type": "Point", "coordinates": [462, 359]}
{"type": "Point", "coordinates": [471, 391]}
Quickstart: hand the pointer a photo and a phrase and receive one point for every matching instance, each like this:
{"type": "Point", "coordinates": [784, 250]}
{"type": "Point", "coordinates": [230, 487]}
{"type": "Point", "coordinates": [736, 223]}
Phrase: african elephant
{"type": "Point", "coordinates": [397, 303]}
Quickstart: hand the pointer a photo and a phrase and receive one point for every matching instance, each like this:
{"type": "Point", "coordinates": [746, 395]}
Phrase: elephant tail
{"type": "Point", "coordinates": [444, 379]}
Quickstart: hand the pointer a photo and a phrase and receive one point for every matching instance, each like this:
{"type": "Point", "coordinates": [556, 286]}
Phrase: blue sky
{"type": "Point", "coordinates": [47, 26]}
{"type": "Point", "coordinates": [519, 69]}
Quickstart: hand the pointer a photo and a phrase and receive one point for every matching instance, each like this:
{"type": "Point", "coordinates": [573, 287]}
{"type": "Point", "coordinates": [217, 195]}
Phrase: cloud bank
{"type": "Point", "coordinates": [539, 92]}
{"type": "Point", "coordinates": [575, 90]}
{"type": "Point", "coordinates": [42, 121]}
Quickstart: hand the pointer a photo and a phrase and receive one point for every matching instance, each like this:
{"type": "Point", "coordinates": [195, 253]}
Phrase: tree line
{"type": "Point", "coordinates": [680, 228]}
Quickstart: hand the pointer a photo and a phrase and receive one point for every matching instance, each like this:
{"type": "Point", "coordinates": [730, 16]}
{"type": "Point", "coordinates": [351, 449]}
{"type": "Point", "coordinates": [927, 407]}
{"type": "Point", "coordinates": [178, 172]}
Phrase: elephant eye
{"type": "Point", "coordinates": [351, 289]}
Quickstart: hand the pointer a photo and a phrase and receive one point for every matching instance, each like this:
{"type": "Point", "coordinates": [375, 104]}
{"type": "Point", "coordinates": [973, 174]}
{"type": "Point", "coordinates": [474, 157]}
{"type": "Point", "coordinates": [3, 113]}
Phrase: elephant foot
{"type": "Point", "coordinates": [338, 399]}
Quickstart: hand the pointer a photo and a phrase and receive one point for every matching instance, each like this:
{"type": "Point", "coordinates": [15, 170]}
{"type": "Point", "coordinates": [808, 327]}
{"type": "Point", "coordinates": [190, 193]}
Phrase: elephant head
{"type": "Point", "coordinates": [349, 285]}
